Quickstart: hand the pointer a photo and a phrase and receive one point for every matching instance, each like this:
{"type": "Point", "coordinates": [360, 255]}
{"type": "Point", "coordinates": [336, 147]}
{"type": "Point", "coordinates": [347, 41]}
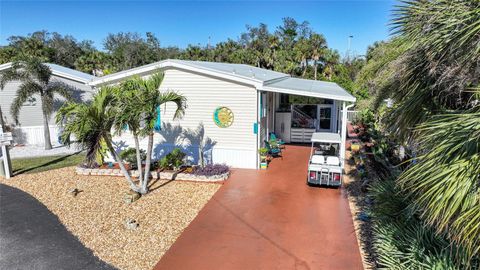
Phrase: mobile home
{"type": "Point", "coordinates": [233, 107]}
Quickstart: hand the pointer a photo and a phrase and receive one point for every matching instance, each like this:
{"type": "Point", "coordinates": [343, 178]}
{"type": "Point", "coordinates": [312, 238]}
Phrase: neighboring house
{"type": "Point", "coordinates": [235, 107]}
{"type": "Point", "coordinates": [29, 130]}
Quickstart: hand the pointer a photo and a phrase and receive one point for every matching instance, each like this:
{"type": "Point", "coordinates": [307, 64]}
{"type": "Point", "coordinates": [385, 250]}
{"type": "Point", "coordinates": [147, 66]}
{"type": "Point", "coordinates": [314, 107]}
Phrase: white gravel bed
{"type": "Point", "coordinates": [98, 214]}
{"type": "Point", "coordinates": [28, 151]}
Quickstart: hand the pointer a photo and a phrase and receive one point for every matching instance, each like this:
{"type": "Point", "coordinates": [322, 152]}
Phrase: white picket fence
{"type": "Point", "coordinates": [352, 115]}
{"type": "Point", "coordinates": [34, 135]}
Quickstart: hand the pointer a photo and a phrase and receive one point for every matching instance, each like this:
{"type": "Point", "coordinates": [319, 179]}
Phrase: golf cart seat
{"type": "Point", "coordinates": [333, 161]}
{"type": "Point", "coordinates": [318, 159]}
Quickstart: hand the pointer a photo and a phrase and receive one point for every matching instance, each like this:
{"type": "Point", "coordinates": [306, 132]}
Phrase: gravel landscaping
{"type": "Point", "coordinates": [98, 214]}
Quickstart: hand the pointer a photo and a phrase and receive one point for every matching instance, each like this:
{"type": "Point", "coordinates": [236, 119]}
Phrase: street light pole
{"type": "Point", "coordinates": [349, 44]}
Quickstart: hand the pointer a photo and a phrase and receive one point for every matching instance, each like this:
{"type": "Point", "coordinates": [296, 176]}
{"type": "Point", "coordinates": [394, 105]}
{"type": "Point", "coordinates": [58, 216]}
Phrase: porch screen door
{"type": "Point", "coordinates": [325, 117]}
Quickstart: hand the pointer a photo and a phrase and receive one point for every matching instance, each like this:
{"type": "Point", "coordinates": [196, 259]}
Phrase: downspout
{"type": "Point", "coordinates": [344, 131]}
{"type": "Point", "coordinates": [257, 129]}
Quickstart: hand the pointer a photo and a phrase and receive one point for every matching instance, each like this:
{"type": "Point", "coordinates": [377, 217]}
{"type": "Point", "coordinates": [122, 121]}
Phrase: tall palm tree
{"type": "Point", "coordinates": [36, 79]}
{"type": "Point", "coordinates": [330, 58]}
{"type": "Point", "coordinates": [153, 100]}
{"type": "Point", "coordinates": [318, 45]}
{"type": "Point", "coordinates": [91, 124]}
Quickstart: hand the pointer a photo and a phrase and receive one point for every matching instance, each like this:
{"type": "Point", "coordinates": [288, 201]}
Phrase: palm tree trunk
{"type": "Point", "coordinates": [305, 68]}
{"type": "Point", "coordinates": [316, 67]}
{"type": "Point", "coordinates": [147, 163]}
{"type": "Point", "coordinates": [46, 132]}
{"type": "Point", "coordinates": [139, 159]}
{"type": "Point", "coordinates": [121, 165]}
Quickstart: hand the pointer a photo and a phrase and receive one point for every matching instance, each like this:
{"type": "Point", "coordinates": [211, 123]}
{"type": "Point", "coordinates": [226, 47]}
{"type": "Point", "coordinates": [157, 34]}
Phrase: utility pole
{"type": "Point", "coordinates": [349, 44]}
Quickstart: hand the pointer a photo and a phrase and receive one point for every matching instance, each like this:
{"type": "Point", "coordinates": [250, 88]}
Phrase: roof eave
{"type": "Point", "coordinates": [56, 73]}
{"type": "Point", "coordinates": [350, 98]}
{"type": "Point", "coordinates": [172, 64]}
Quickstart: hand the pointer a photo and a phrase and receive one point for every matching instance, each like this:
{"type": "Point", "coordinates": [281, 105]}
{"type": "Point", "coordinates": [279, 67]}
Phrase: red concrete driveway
{"type": "Point", "coordinates": [269, 220]}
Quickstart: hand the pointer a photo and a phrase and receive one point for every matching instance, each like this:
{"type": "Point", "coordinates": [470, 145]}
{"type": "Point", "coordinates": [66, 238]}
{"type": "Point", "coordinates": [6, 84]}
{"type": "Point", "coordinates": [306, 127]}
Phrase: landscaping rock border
{"type": "Point", "coordinates": [155, 175]}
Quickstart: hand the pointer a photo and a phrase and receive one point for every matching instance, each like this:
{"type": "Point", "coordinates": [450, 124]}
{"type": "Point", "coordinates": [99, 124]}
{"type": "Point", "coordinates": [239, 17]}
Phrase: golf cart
{"type": "Point", "coordinates": [325, 166]}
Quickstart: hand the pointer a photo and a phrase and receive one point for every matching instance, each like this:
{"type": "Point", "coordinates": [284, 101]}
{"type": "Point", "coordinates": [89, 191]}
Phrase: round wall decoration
{"type": "Point", "coordinates": [223, 117]}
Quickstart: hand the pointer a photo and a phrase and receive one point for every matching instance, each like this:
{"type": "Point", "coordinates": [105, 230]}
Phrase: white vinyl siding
{"type": "Point", "coordinates": [205, 94]}
{"type": "Point", "coordinates": [31, 114]}
{"type": "Point", "coordinates": [234, 145]}
{"type": "Point", "coordinates": [29, 130]}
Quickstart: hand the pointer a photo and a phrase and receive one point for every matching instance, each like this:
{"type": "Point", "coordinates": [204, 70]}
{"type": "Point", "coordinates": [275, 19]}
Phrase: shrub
{"type": "Point", "coordinates": [263, 151]}
{"type": "Point", "coordinates": [211, 170]}
{"type": "Point", "coordinates": [403, 241]}
{"type": "Point", "coordinates": [130, 155]}
{"type": "Point", "coordinates": [172, 160]}
{"type": "Point", "coordinates": [366, 117]}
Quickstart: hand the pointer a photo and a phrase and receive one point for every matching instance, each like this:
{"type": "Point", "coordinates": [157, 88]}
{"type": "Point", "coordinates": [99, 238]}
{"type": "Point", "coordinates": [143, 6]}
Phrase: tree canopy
{"type": "Point", "coordinates": [292, 47]}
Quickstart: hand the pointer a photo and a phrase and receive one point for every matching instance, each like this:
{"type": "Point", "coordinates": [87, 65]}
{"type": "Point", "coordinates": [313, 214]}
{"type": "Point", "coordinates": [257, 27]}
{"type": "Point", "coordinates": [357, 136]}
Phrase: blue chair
{"type": "Point", "coordinates": [273, 151]}
{"type": "Point", "coordinates": [274, 138]}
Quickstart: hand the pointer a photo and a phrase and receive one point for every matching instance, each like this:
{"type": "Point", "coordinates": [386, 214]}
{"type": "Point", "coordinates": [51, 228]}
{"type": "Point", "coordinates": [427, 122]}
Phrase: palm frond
{"type": "Point", "coordinates": [442, 63]}
{"type": "Point", "coordinates": [10, 75]}
{"type": "Point", "coordinates": [174, 97]}
{"type": "Point", "coordinates": [403, 241]}
{"type": "Point", "coordinates": [89, 124]}
{"type": "Point", "coordinates": [444, 181]}
{"type": "Point", "coordinates": [61, 88]}
{"type": "Point", "coordinates": [35, 69]}
{"type": "Point", "coordinates": [24, 92]}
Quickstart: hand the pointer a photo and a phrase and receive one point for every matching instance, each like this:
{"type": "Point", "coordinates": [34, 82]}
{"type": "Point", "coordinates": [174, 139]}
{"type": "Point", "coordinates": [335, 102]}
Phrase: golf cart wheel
{"type": "Point", "coordinates": [308, 183]}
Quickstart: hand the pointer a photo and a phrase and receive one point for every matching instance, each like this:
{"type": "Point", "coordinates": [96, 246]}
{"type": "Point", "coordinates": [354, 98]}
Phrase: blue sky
{"type": "Point", "coordinates": [180, 23]}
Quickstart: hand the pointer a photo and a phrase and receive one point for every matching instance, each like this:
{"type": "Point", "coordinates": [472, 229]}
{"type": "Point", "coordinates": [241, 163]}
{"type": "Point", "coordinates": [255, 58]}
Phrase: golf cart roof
{"type": "Point", "coordinates": [326, 137]}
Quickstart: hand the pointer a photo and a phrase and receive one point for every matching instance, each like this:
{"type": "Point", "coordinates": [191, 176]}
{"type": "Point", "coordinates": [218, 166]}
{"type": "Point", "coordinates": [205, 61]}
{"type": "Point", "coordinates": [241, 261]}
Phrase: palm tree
{"type": "Point", "coordinates": [302, 51]}
{"type": "Point", "coordinates": [153, 100]}
{"type": "Point", "coordinates": [91, 124]}
{"type": "Point", "coordinates": [130, 101]}
{"type": "Point", "coordinates": [438, 97]}
{"type": "Point", "coordinates": [36, 79]}
{"type": "Point", "coordinates": [330, 59]}
{"type": "Point", "coordinates": [318, 45]}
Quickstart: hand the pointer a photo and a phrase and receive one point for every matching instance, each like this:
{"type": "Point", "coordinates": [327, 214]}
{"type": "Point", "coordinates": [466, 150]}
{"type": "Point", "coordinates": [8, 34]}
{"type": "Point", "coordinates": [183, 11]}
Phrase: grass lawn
{"type": "Point", "coordinates": [40, 164]}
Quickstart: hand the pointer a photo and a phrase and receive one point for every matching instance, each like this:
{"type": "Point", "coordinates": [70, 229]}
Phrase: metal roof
{"type": "Point", "coordinates": [311, 88]}
{"type": "Point", "coordinates": [68, 72]}
{"type": "Point", "coordinates": [63, 72]}
{"type": "Point", "coordinates": [241, 70]}
{"type": "Point", "coordinates": [261, 79]}
{"type": "Point", "coordinates": [326, 137]}
{"type": "Point", "coordinates": [236, 72]}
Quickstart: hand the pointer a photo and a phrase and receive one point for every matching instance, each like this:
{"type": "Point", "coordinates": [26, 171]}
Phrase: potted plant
{"type": "Point", "coordinates": [263, 157]}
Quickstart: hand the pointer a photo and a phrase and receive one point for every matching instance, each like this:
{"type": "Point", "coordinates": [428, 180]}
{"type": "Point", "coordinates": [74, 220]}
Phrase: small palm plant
{"type": "Point", "coordinates": [91, 124]}
{"type": "Point", "coordinates": [36, 79]}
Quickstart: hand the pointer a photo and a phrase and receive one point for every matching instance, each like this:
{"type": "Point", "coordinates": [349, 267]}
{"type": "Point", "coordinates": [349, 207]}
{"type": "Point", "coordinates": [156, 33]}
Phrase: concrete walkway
{"type": "Point", "coordinates": [31, 237]}
{"type": "Point", "coordinates": [270, 220]}
{"type": "Point", "coordinates": [29, 151]}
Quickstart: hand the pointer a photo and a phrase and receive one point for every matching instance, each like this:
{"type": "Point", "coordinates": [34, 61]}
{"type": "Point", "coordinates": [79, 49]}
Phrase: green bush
{"type": "Point", "coordinates": [130, 155]}
{"type": "Point", "coordinates": [403, 241]}
{"type": "Point", "coordinates": [366, 117]}
{"type": "Point", "coordinates": [173, 160]}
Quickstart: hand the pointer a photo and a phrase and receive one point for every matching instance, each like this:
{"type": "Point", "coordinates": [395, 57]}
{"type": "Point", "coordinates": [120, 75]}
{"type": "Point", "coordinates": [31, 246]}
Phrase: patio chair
{"type": "Point", "coordinates": [273, 151]}
{"type": "Point", "coordinates": [273, 137]}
